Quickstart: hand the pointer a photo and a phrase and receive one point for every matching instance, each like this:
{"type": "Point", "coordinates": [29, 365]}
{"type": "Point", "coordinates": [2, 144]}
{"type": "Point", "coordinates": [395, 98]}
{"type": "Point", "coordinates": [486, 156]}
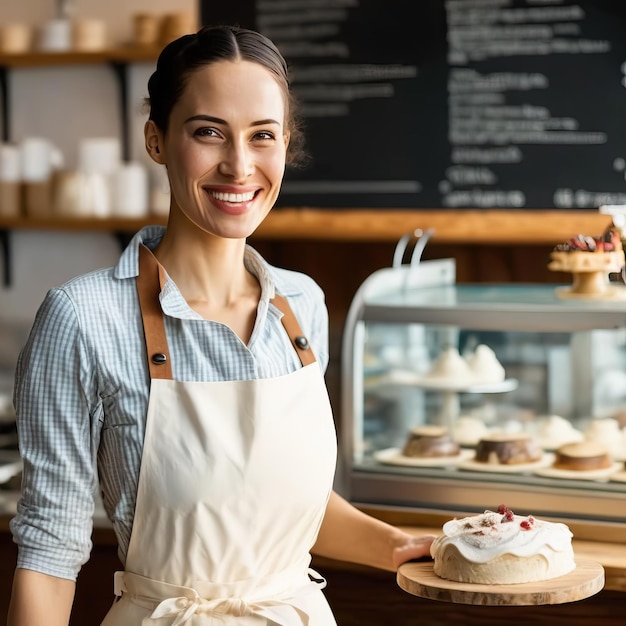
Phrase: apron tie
{"type": "Point", "coordinates": [183, 607]}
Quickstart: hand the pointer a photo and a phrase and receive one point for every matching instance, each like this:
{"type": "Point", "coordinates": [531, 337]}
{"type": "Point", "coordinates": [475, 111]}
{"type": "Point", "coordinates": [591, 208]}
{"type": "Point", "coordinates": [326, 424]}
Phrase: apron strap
{"type": "Point", "coordinates": [149, 282]}
{"type": "Point", "coordinates": [148, 288]}
{"type": "Point", "coordinates": [298, 339]}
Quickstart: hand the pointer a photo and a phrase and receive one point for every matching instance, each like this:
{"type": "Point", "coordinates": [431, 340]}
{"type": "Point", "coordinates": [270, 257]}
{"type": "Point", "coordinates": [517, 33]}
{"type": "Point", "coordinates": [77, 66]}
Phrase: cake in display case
{"type": "Point", "coordinates": [454, 395]}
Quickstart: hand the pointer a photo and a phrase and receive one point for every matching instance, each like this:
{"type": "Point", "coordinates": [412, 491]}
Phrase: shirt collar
{"type": "Point", "coordinates": [270, 279]}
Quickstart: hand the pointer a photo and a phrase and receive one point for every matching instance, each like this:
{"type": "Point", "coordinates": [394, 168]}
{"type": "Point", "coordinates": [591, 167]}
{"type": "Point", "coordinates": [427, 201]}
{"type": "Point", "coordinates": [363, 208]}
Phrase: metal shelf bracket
{"type": "Point", "coordinates": [5, 244]}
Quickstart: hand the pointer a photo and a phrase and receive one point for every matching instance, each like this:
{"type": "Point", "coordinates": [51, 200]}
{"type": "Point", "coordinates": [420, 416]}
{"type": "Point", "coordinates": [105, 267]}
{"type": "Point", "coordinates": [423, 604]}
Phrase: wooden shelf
{"type": "Point", "coordinates": [472, 226]}
{"type": "Point", "coordinates": [121, 54]}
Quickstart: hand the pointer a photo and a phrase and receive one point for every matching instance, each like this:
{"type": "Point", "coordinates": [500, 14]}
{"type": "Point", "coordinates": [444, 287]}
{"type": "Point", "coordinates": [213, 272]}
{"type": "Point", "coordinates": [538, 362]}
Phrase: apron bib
{"type": "Point", "coordinates": [234, 481]}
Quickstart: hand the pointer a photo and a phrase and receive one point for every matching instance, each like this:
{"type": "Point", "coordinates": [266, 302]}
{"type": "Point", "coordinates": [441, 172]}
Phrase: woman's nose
{"type": "Point", "coordinates": [237, 161]}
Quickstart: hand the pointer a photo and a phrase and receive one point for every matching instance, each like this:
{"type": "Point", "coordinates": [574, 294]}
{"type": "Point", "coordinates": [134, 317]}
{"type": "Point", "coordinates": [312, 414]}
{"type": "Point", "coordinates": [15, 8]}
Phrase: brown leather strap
{"type": "Point", "coordinates": [149, 283]}
{"type": "Point", "coordinates": [298, 339]}
{"type": "Point", "coordinates": [148, 289]}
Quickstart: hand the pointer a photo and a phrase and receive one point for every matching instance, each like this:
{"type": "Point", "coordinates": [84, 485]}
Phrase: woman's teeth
{"type": "Point", "coordinates": [233, 197]}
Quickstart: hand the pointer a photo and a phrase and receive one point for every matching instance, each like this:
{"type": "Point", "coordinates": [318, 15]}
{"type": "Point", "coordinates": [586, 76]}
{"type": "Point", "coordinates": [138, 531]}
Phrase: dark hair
{"type": "Point", "coordinates": [180, 58]}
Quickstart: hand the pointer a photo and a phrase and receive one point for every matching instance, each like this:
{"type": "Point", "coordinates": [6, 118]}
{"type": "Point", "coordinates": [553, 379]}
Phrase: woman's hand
{"type": "Point", "coordinates": [415, 547]}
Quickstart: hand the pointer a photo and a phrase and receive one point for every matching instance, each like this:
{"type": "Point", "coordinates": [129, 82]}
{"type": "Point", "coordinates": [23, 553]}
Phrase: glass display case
{"type": "Point", "coordinates": [555, 374]}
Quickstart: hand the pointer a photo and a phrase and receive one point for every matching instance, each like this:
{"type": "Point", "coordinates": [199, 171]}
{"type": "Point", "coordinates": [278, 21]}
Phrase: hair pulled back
{"type": "Point", "coordinates": [183, 56]}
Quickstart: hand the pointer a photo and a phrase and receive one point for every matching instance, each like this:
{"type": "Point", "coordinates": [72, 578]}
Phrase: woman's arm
{"type": "Point", "coordinates": [40, 599]}
{"type": "Point", "coordinates": [348, 534]}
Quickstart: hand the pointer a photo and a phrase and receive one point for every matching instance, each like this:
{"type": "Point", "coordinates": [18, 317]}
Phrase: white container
{"type": "Point", "coordinates": [96, 190]}
{"type": "Point", "coordinates": [10, 163]}
{"type": "Point", "coordinates": [99, 155]}
{"type": "Point", "coordinates": [56, 36]}
{"type": "Point", "coordinates": [39, 158]}
{"type": "Point", "coordinates": [130, 191]}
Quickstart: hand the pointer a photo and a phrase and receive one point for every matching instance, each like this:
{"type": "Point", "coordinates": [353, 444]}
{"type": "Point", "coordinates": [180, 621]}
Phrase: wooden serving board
{"type": "Point", "coordinates": [419, 579]}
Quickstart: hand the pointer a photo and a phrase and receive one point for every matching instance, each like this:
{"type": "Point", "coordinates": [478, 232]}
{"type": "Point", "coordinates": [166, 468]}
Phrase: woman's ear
{"type": "Point", "coordinates": [154, 142]}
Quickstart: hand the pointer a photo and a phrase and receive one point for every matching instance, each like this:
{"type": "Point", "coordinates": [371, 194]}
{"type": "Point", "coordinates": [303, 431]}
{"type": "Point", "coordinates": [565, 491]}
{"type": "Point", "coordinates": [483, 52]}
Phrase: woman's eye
{"type": "Point", "coordinates": [264, 135]}
{"type": "Point", "coordinates": [205, 132]}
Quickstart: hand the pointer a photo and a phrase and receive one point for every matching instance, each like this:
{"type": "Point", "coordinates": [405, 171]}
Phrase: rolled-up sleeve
{"type": "Point", "coordinates": [54, 391]}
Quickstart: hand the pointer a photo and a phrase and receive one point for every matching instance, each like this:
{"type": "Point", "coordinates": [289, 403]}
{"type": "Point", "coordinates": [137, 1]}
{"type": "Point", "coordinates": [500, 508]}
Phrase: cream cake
{"type": "Point", "coordinates": [607, 431]}
{"type": "Point", "coordinates": [468, 430]}
{"type": "Point", "coordinates": [554, 431]}
{"type": "Point", "coordinates": [501, 548]}
{"type": "Point", "coordinates": [480, 367]}
{"type": "Point", "coordinates": [484, 366]}
{"type": "Point", "coordinates": [450, 365]}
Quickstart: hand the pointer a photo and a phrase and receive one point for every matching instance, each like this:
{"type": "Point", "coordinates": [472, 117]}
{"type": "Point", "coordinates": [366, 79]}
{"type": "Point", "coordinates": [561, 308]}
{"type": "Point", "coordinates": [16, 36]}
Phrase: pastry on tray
{"type": "Point", "coordinates": [502, 448]}
{"type": "Point", "coordinates": [500, 548]}
{"type": "Point", "coordinates": [430, 441]}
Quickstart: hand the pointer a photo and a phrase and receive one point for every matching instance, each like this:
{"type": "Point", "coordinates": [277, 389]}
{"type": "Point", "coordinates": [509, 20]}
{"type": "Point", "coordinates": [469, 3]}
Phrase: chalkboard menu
{"type": "Point", "coordinates": [507, 104]}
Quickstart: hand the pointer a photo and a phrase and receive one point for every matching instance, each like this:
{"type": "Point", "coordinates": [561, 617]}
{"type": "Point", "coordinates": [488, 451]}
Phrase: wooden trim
{"type": "Point", "coordinates": [486, 227]}
{"type": "Point", "coordinates": [469, 226]}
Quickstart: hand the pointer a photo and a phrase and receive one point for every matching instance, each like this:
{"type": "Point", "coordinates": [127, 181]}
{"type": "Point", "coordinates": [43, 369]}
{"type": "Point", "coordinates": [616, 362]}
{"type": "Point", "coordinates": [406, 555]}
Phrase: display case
{"type": "Point", "coordinates": [558, 375]}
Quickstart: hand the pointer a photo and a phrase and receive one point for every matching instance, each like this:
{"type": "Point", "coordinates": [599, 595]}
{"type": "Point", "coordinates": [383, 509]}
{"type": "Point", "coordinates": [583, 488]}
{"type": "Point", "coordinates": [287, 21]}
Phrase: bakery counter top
{"type": "Point", "coordinates": [610, 554]}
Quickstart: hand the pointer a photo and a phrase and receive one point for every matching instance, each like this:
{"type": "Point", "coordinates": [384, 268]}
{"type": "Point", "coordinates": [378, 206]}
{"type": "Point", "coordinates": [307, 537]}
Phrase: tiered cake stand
{"type": "Point", "coordinates": [451, 389]}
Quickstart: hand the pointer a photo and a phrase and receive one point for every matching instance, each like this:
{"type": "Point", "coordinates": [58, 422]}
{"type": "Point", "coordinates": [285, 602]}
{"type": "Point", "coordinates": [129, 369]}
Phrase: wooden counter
{"type": "Point", "coordinates": [362, 596]}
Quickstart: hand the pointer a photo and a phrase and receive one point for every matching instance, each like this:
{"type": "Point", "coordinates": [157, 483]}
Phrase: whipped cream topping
{"type": "Point", "coordinates": [482, 366]}
{"type": "Point", "coordinates": [468, 430]}
{"type": "Point", "coordinates": [554, 431]}
{"type": "Point", "coordinates": [450, 364]}
{"type": "Point", "coordinates": [607, 432]}
{"type": "Point", "coordinates": [482, 538]}
{"type": "Point", "coordinates": [485, 366]}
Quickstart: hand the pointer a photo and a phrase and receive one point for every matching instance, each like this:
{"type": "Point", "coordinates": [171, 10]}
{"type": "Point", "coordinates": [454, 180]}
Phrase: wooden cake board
{"type": "Point", "coordinates": [419, 579]}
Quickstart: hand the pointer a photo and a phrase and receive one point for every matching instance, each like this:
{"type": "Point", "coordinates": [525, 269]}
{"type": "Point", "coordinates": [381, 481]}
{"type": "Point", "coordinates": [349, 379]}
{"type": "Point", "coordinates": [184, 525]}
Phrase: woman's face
{"type": "Point", "coordinates": [225, 147]}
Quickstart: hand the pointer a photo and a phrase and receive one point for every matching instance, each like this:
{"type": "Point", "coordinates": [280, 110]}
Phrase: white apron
{"type": "Point", "coordinates": [234, 481]}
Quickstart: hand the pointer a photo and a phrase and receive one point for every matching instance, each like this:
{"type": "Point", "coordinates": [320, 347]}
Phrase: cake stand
{"type": "Point", "coordinates": [419, 579]}
{"type": "Point", "coordinates": [450, 391]}
{"type": "Point", "coordinates": [590, 274]}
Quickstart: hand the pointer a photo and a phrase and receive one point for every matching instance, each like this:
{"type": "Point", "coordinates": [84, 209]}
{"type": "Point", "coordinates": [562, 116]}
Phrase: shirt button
{"type": "Point", "coordinates": [182, 603]}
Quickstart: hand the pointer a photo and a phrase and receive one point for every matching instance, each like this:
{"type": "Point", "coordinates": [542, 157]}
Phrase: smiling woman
{"type": "Point", "coordinates": [186, 384]}
{"type": "Point", "coordinates": [226, 167]}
